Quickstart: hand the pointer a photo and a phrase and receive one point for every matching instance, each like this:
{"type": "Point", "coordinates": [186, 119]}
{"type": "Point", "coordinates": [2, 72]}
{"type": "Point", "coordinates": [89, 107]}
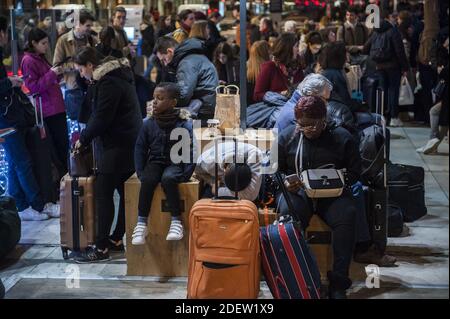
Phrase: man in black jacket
{"type": "Point", "coordinates": [386, 49]}
{"type": "Point", "coordinates": [192, 71]}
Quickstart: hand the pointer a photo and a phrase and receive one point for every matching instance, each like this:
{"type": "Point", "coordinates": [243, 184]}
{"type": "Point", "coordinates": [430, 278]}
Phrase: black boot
{"type": "Point", "coordinates": [338, 285]}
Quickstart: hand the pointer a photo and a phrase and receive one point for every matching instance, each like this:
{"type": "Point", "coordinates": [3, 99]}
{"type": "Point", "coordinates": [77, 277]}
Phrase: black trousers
{"type": "Point", "coordinates": [169, 176]}
{"type": "Point", "coordinates": [105, 185]}
{"type": "Point", "coordinates": [57, 131]}
{"type": "Point", "coordinates": [340, 215]}
{"type": "Point", "coordinates": [428, 78]}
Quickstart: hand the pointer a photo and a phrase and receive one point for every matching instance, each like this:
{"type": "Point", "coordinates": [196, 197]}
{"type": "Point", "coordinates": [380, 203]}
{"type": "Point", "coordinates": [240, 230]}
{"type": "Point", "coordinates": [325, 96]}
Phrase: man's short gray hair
{"type": "Point", "coordinates": [314, 85]}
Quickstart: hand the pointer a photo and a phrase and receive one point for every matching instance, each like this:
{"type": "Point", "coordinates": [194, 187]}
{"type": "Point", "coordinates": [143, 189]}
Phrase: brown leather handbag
{"type": "Point", "coordinates": [81, 162]}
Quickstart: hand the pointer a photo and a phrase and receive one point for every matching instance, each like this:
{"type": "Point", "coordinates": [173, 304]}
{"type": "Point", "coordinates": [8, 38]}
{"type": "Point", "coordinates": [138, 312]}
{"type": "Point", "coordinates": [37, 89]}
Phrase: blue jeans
{"type": "Point", "coordinates": [390, 81]}
{"type": "Point", "coordinates": [23, 186]}
{"type": "Point", "coordinates": [72, 101]}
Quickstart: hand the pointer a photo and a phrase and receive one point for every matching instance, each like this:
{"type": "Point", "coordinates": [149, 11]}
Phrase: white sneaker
{"type": "Point", "coordinates": [396, 122]}
{"type": "Point", "coordinates": [30, 214]}
{"type": "Point", "coordinates": [420, 149]}
{"type": "Point", "coordinates": [52, 210]}
{"type": "Point", "coordinates": [175, 231]}
{"type": "Point", "coordinates": [139, 234]}
{"type": "Point", "coordinates": [432, 146]}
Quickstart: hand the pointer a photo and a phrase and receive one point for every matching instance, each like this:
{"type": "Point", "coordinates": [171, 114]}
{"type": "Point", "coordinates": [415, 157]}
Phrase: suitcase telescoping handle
{"type": "Point", "coordinates": [286, 196]}
{"type": "Point", "coordinates": [39, 116]}
{"type": "Point", "coordinates": [216, 166]}
{"type": "Point", "coordinates": [380, 111]}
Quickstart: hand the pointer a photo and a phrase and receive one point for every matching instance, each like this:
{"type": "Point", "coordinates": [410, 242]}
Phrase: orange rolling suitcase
{"type": "Point", "coordinates": [224, 251]}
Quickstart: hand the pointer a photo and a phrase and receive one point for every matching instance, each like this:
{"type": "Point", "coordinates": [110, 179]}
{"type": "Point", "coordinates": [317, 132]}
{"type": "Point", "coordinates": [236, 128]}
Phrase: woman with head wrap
{"type": "Point", "coordinates": [322, 145]}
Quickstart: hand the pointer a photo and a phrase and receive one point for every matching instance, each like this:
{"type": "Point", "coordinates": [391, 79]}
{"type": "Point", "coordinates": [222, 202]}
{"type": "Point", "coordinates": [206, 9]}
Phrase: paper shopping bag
{"type": "Point", "coordinates": [228, 107]}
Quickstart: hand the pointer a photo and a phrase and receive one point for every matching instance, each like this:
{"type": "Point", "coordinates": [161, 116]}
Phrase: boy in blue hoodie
{"type": "Point", "coordinates": [154, 164]}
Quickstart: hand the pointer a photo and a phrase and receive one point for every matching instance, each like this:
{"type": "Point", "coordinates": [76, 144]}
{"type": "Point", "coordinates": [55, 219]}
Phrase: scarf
{"type": "Point", "coordinates": [167, 119]}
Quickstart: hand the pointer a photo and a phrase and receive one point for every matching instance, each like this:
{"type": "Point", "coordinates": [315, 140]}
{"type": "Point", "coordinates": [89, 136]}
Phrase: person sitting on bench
{"type": "Point", "coordinates": [154, 163]}
{"type": "Point", "coordinates": [322, 145]}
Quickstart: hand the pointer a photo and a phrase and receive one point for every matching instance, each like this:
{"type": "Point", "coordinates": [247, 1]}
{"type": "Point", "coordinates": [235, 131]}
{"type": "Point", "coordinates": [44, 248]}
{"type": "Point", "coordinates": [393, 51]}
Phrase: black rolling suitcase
{"type": "Point", "coordinates": [407, 189]}
{"type": "Point", "coordinates": [40, 149]}
{"type": "Point", "coordinates": [377, 194]}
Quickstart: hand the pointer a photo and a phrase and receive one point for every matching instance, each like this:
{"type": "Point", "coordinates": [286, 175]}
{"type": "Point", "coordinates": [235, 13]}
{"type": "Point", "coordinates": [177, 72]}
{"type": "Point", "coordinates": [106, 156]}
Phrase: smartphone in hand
{"type": "Point", "coordinates": [293, 179]}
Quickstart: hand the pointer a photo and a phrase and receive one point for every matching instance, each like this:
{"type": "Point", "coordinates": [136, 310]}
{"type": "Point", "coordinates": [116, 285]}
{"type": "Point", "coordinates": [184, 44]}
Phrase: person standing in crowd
{"type": "Point", "coordinates": [46, 25]}
{"type": "Point", "coordinates": [113, 127]}
{"type": "Point", "coordinates": [201, 31]}
{"type": "Point", "coordinates": [406, 31]}
{"type": "Point", "coordinates": [308, 56]}
{"type": "Point", "coordinates": [322, 145]}
{"type": "Point", "coordinates": [66, 46]}
{"type": "Point", "coordinates": [327, 33]}
{"type": "Point", "coordinates": [259, 54]}
{"type": "Point", "coordinates": [147, 41]}
{"type": "Point", "coordinates": [194, 73]}
{"type": "Point", "coordinates": [165, 26]}
{"type": "Point", "coordinates": [266, 29]}
{"type": "Point", "coordinates": [154, 164]}
{"type": "Point", "coordinates": [43, 79]}
{"type": "Point", "coordinates": [385, 48]}
{"type": "Point", "coordinates": [353, 33]}
{"type": "Point", "coordinates": [104, 47]}
{"type": "Point", "coordinates": [186, 19]}
{"type": "Point", "coordinates": [213, 21]}
{"type": "Point", "coordinates": [227, 65]}
{"type": "Point", "coordinates": [121, 42]}
{"type": "Point", "coordinates": [331, 63]}
{"type": "Point", "coordinates": [279, 74]}
{"type": "Point", "coordinates": [248, 34]}
{"type": "Point", "coordinates": [23, 186]}
{"type": "Point", "coordinates": [439, 112]}
{"type": "Point", "coordinates": [290, 26]}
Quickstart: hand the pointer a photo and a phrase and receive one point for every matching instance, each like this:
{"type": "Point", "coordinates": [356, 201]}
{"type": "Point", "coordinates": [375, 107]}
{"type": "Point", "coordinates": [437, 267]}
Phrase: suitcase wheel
{"type": "Point", "coordinates": [65, 253]}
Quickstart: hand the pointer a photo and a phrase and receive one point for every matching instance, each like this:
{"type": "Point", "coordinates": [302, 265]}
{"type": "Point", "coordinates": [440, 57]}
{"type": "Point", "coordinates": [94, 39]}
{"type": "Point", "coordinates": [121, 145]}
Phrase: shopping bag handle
{"type": "Point", "coordinates": [226, 89]}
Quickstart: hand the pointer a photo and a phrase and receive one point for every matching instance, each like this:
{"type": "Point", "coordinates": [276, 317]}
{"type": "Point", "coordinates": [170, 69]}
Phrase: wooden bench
{"type": "Point", "coordinates": [319, 238]}
{"type": "Point", "coordinates": [158, 257]}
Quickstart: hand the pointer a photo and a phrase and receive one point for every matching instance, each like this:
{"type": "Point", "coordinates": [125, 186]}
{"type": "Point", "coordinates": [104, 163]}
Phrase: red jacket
{"type": "Point", "coordinates": [272, 79]}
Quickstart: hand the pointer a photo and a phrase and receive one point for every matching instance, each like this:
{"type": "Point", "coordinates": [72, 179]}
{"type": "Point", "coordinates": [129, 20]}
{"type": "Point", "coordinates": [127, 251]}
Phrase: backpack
{"type": "Point", "coordinates": [371, 149]}
{"type": "Point", "coordinates": [428, 51]}
{"type": "Point", "coordinates": [381, 50]}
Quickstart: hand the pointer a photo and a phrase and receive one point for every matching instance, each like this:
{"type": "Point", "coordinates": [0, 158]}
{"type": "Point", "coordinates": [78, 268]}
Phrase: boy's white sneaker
{"type": "Point", "coordinates": [52, 210]}
{"type": "Point", "coordinates": [139, 234]}
{"type": "Point", "coordinates": [30, 214]}
{"type": "Point", "coordinates": [175, 231]}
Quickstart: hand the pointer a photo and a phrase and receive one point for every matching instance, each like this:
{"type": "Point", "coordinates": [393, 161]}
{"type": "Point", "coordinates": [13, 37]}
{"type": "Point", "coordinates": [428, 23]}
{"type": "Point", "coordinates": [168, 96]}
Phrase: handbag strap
{"type": "Point", "coordinates": [297, 154]}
